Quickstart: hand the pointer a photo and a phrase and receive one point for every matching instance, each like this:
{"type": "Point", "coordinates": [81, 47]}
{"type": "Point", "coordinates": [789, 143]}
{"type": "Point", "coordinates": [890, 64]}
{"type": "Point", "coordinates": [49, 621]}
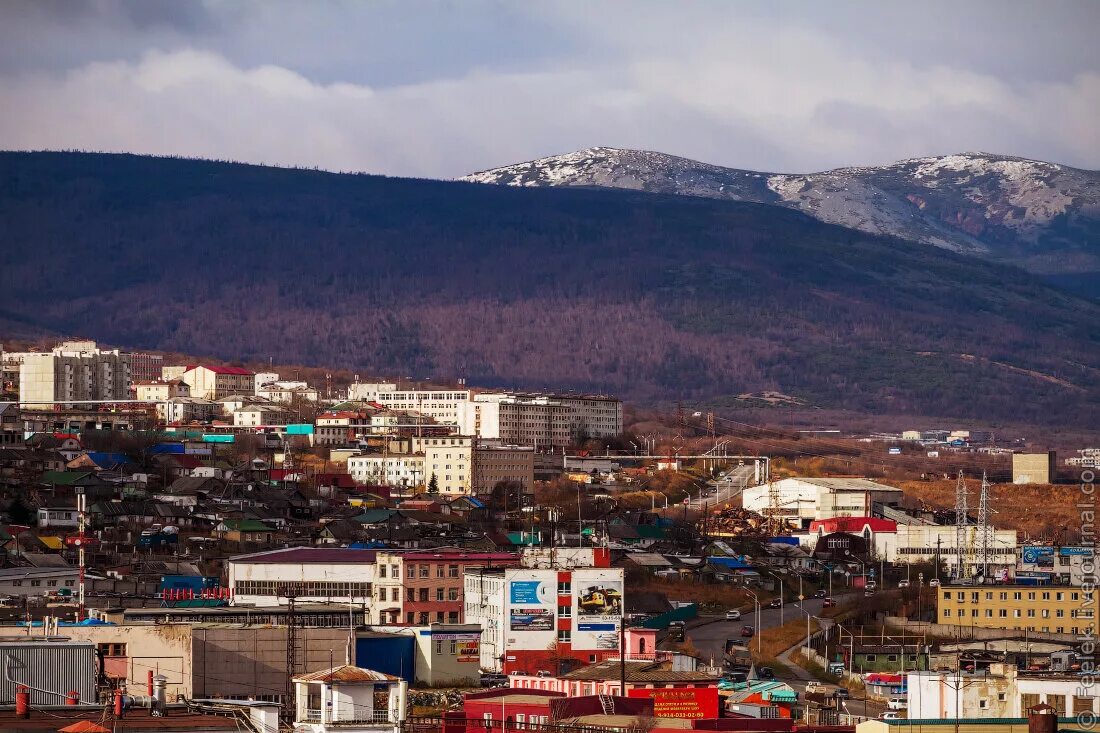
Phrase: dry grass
{"type": "Point", "coordinates": [778, 639]}
{"type": "Point", "coordinates": [1040, 511]}
{"type": "Point", "coordinates": [711, 598]}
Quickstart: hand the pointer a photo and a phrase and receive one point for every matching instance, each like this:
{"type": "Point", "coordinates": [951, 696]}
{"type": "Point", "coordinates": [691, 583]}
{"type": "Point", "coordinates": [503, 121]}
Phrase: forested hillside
{"type": "Point", "coordinates": [649, 296]}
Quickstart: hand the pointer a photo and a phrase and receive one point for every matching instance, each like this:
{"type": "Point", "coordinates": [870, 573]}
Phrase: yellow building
{"type": "Point", "coordinates": [1052, 609]}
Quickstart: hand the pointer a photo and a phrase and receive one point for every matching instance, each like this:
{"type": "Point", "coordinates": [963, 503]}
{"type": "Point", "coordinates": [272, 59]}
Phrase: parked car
{"type": "Point", "coordinates": [765, 673]}
{"type": "Point", "coordinates": [493, 679]}
{"type": "Point", "coordinates": [733, 615]}
{"type": "Point", "coordinates": [828, 602]}
{"type": "Point", "coordinates": [748, 631]}
{"type": "Point", "coordinates": [897, 703]}
{"type": "Point", "coordinates": [903, 583]}
{"type": "Point", "coordinates": [774, 603]}
{"type": "Point", "coordinates": [891, 715]}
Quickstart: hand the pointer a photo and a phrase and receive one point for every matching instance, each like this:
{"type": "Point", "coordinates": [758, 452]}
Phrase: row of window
{"type": "Point", "coordinates": [311, 588]}
{"type": "Point", "coordinates": [1003, 613]}
{"type": "Point", "coordinates": [1019, 595]}
{"type": "Point", "coordinates": [424, 595]}
{"type": "Point", "coordinates": [38, 583]}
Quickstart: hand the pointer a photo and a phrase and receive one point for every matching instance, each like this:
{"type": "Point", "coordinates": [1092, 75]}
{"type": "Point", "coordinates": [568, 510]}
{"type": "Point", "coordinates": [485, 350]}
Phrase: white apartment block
{"type": "Point", "coordinates": [213, 382]}
{"type": "Point", "coordinates": [187, 409]}
{"type": "Point", "coordinates": [594, 416]}
{"type": "Point", "coordinates": [449, 459]}
{"type": "Point", "coordinates": [256, 415]}
{"type": "Point", "coordinates": [442, 405]}
{"type": "Point", "coordinates": [389, 470]}
{"type": "Point", "coordinates": [73, 371]}
{"type": "Point", "coordinates": [1002, 693]}
{"type": "Point", "coordinates": [540, 421]}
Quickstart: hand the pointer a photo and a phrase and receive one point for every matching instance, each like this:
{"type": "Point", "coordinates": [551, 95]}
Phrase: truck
{"type": "Point", "coordinates": [737, 655]}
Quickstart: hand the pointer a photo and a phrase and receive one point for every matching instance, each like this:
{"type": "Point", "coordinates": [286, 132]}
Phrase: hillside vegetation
{"type": "Point", "coordinates": [647, 296]}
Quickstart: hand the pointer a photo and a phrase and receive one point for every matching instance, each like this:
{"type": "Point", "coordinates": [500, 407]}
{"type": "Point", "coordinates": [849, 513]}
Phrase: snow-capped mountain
{"type": "Point", "coordinates": [1043, 216]}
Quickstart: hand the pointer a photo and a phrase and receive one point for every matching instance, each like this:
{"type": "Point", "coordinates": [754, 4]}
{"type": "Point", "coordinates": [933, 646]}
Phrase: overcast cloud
{"type": "Point", "coordinates": [442, 89]}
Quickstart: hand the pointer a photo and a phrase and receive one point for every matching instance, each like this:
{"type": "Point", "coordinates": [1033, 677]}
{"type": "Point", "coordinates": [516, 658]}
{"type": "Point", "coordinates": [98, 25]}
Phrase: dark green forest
{"type": "Point", "coordinates": [648, 296]}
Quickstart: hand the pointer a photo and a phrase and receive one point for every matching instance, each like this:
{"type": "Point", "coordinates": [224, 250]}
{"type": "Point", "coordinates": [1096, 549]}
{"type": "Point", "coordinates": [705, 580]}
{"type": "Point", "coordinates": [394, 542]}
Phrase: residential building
{"type": "Point", "coordinates": [287, 392]}
{"type": "Point", "coordinates": [803, 499]}
{"type": "Point", "coordinates": [442, 405]}
{"type": "Point", "coordinates": [145, 367]}
{"type": "Point", "coordinates": [535, 619]}
{"type": "Point", "coordinates": [389, 470]}
{"type": "Point", "coordinates": [71, 372]}
{"type": "Point", "coordinates": [420, 588]}
{"type": "Point", "coordinates": [188, 409]}
{"type": "Point", "coordinates": [340, 427]}
{"type": "Point", "coordinates": [540, 422]}
{"type": "Point", "coordinates": [449, 460]}
{"type": "Point", "coordinates": [159, 391]}
{"type": "Point", "coordinates": [1034, 468]}
{"type": "Point", "coordinates": [1049, 609]}
{"type": "Point", "coordinates": [265, 414]}
{"type": "Point", "coordinates": [336, 575]}
{"type": "Point", "coordinates": [65, 517]}
{"type": "Point", "coordinates": [213, 382]}
{"type": "Point", "coordinates": [508, 463]}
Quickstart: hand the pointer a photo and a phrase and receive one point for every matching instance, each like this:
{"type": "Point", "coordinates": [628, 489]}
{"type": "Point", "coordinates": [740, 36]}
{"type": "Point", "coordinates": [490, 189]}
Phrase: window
{"type": "Point", "coordinates": [1028, 700]}
{"type": "Point", "coordinates": [409, 618]}
{"type": "Point", "coordinates": [423, 595]}
{"type": "Point", "coordinates": [565, 636]}
{"type": "Point", "coordinates": [438, 594]}
{"type": "Point", "coordinates": [1082, 704]}
{"type": "Point", "coordinates": [565, 611]}
{"type": "Point", "coordinates": [870, 658]}
{"type": "Point", "coordinates": [395, 594]}
{"type": "Point", "coordinates": [424, 618]}
{"type": "Point", "coordinates": [410, 595]}
{"type": "Point", "coordinates": [564, 588]}
{"type": "Point", "coordinates": [112, 650]}
{"type": "Point", "coordinates": [983, 704]}
{"type": "Point", "coordinates": [382, 571]}
{"type": "Point", "coordinates": [439, 571]}
{"type": "Point", "coordinates": [452, 571]}
{"type": "Point", "coordinates": [452, 594]}
{"type": "Point", "coordinates": [1058, 702]}
{"type": "Point", "coordinates": [412, 571]}
{"type": "Point", "coordinates": [425, 571]}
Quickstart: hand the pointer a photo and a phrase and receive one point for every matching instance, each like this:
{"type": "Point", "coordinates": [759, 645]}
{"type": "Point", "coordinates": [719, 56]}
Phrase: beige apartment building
{"type": "Point", "coordinates": [512, 463]}
{"type": "Point", "coordinates": [213, 382]}
{"type": "Point", "coordinates": [1052, 609]}
{"type": "Point", "coordinates": [71, 372]}
{"type": "Point", "coordinates": [158, 391]}
{"type": "Point", "coordinates": [442, 405]}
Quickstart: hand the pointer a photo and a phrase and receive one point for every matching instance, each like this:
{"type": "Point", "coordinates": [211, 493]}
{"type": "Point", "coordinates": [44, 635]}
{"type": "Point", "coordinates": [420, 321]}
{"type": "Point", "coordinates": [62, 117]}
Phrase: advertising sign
{"type": "Point", "coordinates": [469, 651]}
{"type": "Point", "coordinates": [1042, 556]}
{"type": "Point", "coordinates": [688, 702]}
{"type": "Point", "coordinates": [531, 600]}
{"type": "Point", "coordinates": [597, 607]}
{"type": "Point", "coordinates": [1074, 551]}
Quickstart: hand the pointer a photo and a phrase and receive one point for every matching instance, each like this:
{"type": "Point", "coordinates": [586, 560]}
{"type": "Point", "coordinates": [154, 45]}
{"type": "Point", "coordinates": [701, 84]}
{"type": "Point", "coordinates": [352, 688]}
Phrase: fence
{"type": "Point", "coordinates": [975, 632]}
{"type": "Point", "coordinates": [683, 613]}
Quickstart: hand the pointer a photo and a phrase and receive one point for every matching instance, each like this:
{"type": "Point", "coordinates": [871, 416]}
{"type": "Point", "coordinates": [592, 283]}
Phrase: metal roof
{"type": "Point", "coordinates": [346, 674]}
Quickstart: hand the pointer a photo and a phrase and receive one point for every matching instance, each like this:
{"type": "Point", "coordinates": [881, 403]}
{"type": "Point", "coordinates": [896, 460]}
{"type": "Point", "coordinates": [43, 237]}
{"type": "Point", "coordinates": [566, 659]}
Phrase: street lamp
{"type": "Point", "coordinates": [756, 601]}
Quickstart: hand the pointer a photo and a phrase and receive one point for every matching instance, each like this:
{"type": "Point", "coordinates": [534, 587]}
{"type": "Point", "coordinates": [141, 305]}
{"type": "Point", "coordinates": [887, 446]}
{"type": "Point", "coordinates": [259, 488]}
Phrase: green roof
{"type": "Point", "coordinates": [64, 478]}
{"type": "Point", "coordinates": [373, 516]}
{"type": "Point", "coordinates": [523, 538]}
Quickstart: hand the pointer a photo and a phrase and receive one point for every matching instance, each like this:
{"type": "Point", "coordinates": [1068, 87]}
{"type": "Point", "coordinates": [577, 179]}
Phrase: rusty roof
{"type": "Point", "coordinates": [346, 674]}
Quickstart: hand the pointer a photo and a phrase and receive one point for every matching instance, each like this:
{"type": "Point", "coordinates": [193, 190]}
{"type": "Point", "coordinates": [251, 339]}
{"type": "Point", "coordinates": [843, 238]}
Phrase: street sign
{"type": "Point", "coordinates": [801, 597]}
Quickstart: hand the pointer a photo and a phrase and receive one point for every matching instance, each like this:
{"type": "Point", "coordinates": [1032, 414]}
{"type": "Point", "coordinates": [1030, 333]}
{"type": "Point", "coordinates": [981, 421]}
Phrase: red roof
{"type": "Point", "coordinates": [222, 369]}
{"type": "Point", "coordinates": [853, 525]}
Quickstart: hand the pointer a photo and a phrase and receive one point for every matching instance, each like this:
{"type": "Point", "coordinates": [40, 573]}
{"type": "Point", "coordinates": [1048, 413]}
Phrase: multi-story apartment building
{"type": "Point", "coordinates": [449, 459]}
{"type": "Point", "coordinates": [187, 409]}
{"type": "Point", "coordinates": [594, 416]}
{"type": "Point", "coordinates": [428, 585]}
{"type": "Point", "coordinates": [73, 371]}
{"type": "Point", "coordinates": [261, 414]}
{"type": "Point", "coordinates": [494, 464]}
{"type": "Point", "coordinates": [1057, 609]}
{"type": "Point", "coordinates": [539, 422]}
{"type": "Point", "coordinates": [145, 367]}
{"type": "Point", "coordinates": [213, 382]}
{"type": "Point", "coordinates": [999, 693]}
{"type": "Point", "coordinates": [340, 427]}
{"type": "Point", "coordinates": [389, 470]}
{"type": "Point", "coordinates": [439, 404]}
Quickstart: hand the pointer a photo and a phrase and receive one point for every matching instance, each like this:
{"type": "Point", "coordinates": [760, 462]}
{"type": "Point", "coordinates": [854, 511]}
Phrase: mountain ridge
{"type": "Point", "coordinates": [653, 297]}
{"type": "Point", "coordinates": [1042, 216]}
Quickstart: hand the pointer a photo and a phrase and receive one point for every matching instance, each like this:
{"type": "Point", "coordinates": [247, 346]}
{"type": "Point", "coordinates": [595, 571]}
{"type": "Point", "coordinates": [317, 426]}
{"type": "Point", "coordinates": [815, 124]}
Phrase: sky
{"type": "Point", "coordinates": [440, 89]}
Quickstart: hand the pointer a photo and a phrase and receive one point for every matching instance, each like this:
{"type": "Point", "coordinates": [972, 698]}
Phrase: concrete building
{"type": "Point", "coordinates": [340, 427]}
{"type": "Point", "coordinates": [187, 409]}
{"type": "Point", "coordinates": [802, 500]}
{"type": "Point", "coordinates": [73, 371]}
{"type": "Point", "coordinates": [449, 459]}
{"type": "Point", "coordinates": [496, 463]}
{"type": "Point", "coordinates": [213, 382]}
{"type": "Point", "coordinates": [390, 470]}
{"type": "Point", "coordinates": [145, 367]}
{"type": "Point", "coordinates": [540, 422]}
{"type": "Point", "coordinates": [28, 581]}
{"type": "Point", "coordinates": [425, 587]}
{"type": "Point", "coordinates": [1034, 468]}
{"type": "Point", "coordinates": [442, 405]}
{"type": "Point", "coordinates": [265, 414]}
{"type": "Point", "coordinates": [159, 391]}
{"type": "Point", "coordinates": [1059, 610]}
{"type": "Point", "coordinates": [920, 543]}
{"type": "Point", "coordinates": [317, 575]}
{"type": "Point", "coordinates": [1001, 693]}
{"type": "Point", "coordinates": [448, 655]}
{"type": "Point", "coordinates": [535, 619]}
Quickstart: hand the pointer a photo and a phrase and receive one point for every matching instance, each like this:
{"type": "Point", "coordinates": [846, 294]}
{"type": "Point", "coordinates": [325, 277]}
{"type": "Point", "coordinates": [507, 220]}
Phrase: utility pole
{"type": "Point", "coordinates": [81, 502]}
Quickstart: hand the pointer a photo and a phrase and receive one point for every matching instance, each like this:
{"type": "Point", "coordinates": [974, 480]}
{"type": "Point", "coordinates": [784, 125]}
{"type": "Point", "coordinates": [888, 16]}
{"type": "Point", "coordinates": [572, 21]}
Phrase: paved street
{"type": "Point", "coordinates": [726, 492]}
{"type": "Point", "coordinates": [710, 639]}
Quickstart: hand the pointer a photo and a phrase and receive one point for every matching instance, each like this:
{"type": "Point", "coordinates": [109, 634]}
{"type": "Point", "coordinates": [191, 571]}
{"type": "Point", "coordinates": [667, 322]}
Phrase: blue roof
{"type": "Point", "coordinates": [733, 563]}
{"type": "Point", "coordinates": [476, 502]}
{"type": "Point", "coordinates": [167, 448]}
{"type": "Point", "coordinates": [102, 459]}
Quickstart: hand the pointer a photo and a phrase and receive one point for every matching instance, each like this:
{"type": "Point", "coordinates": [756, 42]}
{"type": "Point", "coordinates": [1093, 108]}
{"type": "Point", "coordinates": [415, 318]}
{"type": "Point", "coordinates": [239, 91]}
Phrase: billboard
{"type": "Point", "coordinates": [597, 607]}
{"type": "Point", "coordinates": [531, 600]}
{"type": "Point", "coordinates": [1039, 555]}
{"type": "Point", "coordinates": [686, 702]}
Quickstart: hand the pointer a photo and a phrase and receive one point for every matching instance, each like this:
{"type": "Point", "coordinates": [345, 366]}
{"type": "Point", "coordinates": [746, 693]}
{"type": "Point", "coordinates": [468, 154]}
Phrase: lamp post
{"type": "Point", "coordinates": [756, 601]}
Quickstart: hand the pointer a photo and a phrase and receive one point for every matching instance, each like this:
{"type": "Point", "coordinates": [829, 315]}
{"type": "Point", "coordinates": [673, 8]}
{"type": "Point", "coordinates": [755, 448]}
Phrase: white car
{"type": "Point", "coordinates": [897, 703]}
{"type": "Point", "coordinates": [890, 715]}
{"type": "Point", "coordinates": [934, 583]}
{"type": "Point", "coordinates": [733, 615]}
{"type": "Point", "coordinates": [903, 583]}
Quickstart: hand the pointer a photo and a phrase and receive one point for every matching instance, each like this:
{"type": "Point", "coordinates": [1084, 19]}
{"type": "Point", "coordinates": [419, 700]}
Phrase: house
{"type": "Point", "coordinates": [350, 699]}
{"type": "Point", "coordinates": [245, 530]}
{"type": "Point", "coordinates": [215, 382]}
{"type": "Point", "coordinates": [260, 414]}
{"type": "Point", "coordinates": [99, 461]}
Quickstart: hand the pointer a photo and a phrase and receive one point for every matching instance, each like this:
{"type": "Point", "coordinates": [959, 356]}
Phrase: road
{"type": "Point", "coordinates": [710, 640]}
{"type": "Point", "coordinates": [727, 491]}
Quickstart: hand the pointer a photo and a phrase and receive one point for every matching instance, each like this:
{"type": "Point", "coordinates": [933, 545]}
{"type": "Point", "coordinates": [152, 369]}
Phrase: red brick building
{"type": "Point", "coordinates": [427, 585]}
